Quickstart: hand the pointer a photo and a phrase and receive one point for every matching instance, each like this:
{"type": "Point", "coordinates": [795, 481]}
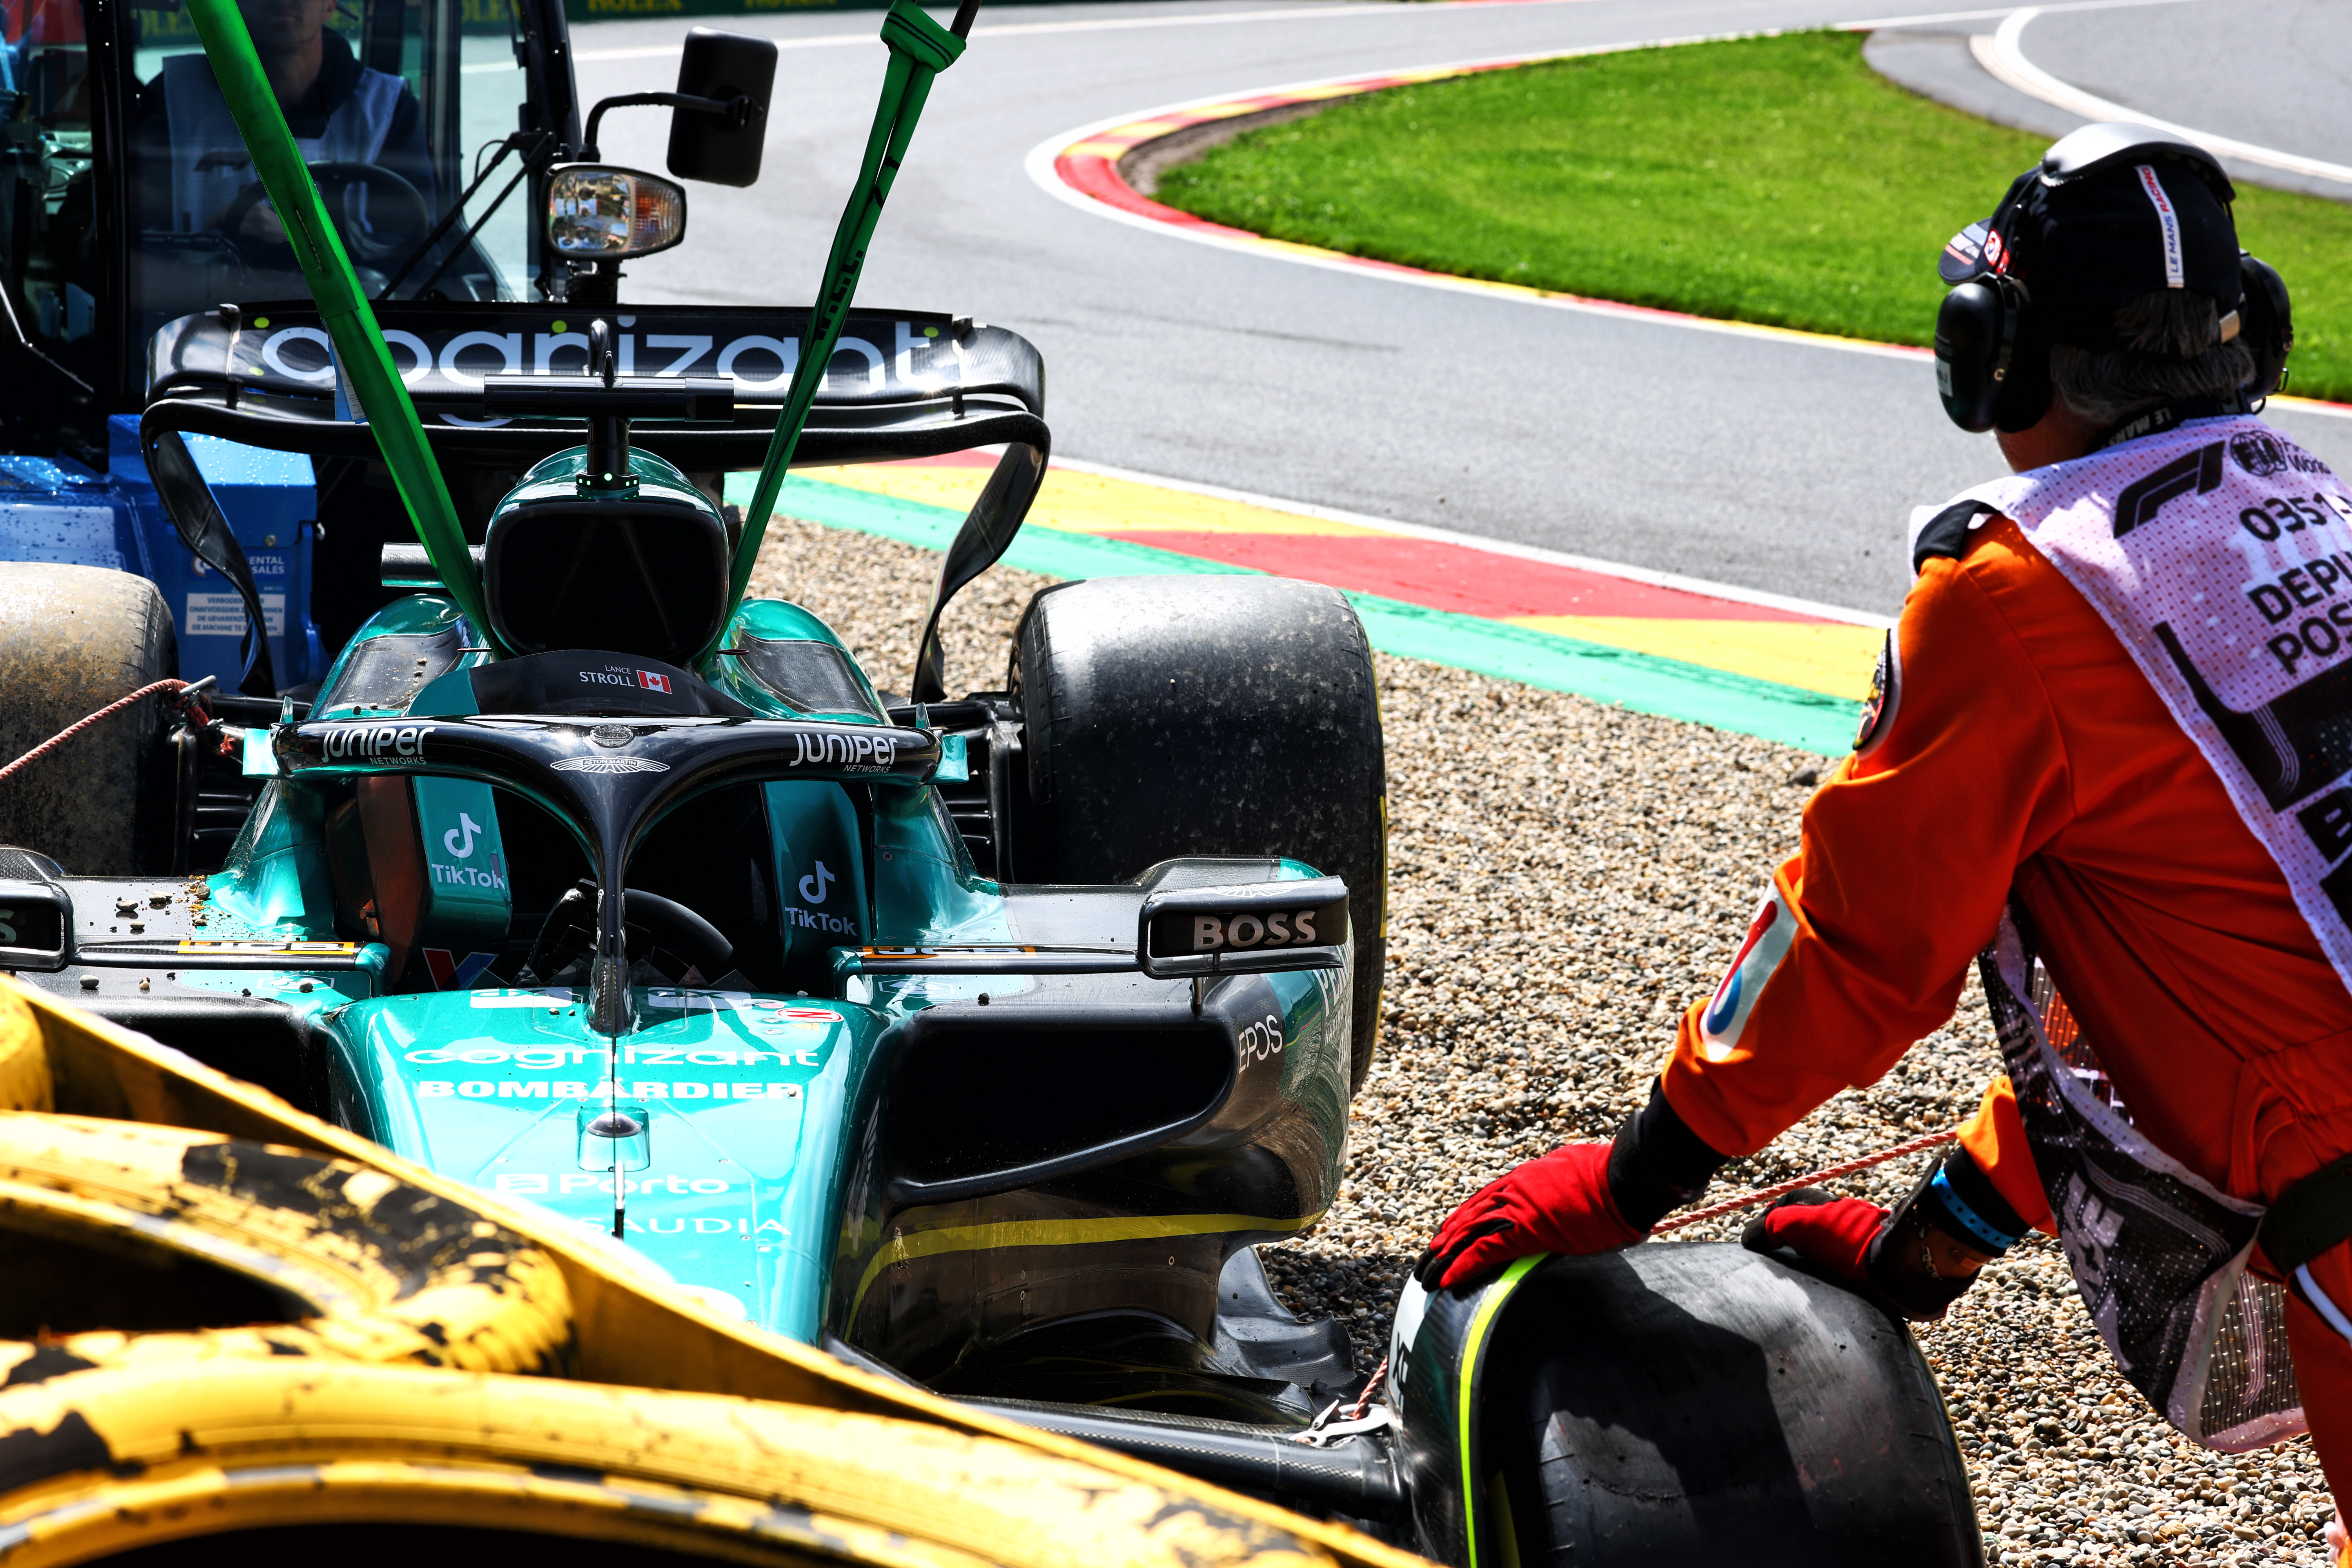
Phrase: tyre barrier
{"type": "Point", "coordinates": [369, 1462]}
{"type": "Point", "coordinates": [131, 1243]}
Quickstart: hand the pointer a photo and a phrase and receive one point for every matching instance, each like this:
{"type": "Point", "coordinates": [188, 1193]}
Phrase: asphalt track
{"type": "Point", "coordinates": [1772, 464]}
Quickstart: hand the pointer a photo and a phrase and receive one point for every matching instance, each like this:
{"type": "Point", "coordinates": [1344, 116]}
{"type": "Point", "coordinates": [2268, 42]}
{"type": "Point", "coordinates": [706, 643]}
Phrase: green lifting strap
{"type": "Point", "coordinates": [343, 307]}
{"type": "Point", "coordinates": [920, 49]}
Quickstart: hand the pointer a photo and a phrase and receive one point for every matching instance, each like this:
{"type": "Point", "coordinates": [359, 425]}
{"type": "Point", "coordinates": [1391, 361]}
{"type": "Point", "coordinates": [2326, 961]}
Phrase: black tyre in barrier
{"type": "Point", "coordinates": [73, 639]}
{"type": "Point", "coordinates": [1681, 1404]}
{"type": "Point", "coordinates": [1208, 715]}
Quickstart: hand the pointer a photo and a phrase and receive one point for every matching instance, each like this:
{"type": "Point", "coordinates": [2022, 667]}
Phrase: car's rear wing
{"type": "Point", "coordinates": [900, 384]}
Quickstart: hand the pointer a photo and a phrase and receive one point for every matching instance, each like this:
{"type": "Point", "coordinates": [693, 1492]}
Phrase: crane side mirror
{"type": "Point", "coordinates": [599, 213]}
{"type": "Point", "coordinates": [738, 71]}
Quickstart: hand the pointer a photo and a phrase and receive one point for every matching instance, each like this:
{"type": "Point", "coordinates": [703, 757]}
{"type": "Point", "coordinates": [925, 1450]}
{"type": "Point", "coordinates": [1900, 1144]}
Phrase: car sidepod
{"type": "Point", "coordinates": [1047, 1156]}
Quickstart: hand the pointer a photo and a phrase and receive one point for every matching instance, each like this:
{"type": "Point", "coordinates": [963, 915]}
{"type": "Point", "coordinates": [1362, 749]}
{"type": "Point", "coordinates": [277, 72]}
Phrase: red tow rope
{"type": "Point", "coordinates": [1781, 1189]}
{"type": "Point", "coordinates": [108, 712]}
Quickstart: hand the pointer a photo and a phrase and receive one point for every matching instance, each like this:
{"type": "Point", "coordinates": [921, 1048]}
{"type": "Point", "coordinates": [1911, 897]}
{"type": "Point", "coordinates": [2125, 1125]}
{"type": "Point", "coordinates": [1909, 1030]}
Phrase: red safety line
{"type": "Point", "coordinates": [108, 712]}
{"type": "Point", "coordinates": [1716, 1211]}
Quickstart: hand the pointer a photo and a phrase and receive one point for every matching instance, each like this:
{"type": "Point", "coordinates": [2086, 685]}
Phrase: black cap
{"type": "Point", "coordinates": [2113, 212]}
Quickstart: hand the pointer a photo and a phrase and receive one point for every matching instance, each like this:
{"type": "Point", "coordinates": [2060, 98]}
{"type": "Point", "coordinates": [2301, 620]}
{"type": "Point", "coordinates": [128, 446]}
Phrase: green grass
{"type": "Point", "coordinates": [1774, 180]}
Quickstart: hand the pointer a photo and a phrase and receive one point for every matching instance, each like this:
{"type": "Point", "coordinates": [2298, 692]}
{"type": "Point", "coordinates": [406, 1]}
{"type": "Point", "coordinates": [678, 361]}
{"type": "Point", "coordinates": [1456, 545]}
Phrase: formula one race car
{"type": "Point", "coordinates": [978, 1039]}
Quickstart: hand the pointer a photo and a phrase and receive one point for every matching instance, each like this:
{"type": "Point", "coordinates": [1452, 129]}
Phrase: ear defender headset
{"type": "Point", "coordinates": [2112, 213]}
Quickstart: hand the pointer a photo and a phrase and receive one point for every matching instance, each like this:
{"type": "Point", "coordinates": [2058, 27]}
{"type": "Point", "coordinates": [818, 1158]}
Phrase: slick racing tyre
{"type": "Point", "coordinates": [123, 1244]}
{"type": "Point", "coordinates": [359, 1465]}
{"type": "Point", "coordinates": [73, 639]}
{"type": "Point", "coordinates": [1679, 1404]}
{"type": "Point", "coordinates": [1212, 715]}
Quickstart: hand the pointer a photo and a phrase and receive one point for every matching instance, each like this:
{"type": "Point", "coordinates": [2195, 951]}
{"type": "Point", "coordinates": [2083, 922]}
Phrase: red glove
{"type": "Point", "coordinates": [1833, 1234]}
{"type": "Point", "coordinates": [1558, 1204]}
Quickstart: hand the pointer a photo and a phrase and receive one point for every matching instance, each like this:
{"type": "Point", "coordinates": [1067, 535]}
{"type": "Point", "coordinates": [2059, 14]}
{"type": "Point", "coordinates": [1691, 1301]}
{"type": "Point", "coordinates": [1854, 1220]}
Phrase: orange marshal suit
{"type": "Point", "coordinates": [2023, 754]}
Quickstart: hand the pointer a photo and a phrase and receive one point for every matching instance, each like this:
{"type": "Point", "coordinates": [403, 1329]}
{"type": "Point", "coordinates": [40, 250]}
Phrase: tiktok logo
{"type": "Point", "coordinates": [813, 887]}
{"type": "Point", "coordinates": [467, 827]}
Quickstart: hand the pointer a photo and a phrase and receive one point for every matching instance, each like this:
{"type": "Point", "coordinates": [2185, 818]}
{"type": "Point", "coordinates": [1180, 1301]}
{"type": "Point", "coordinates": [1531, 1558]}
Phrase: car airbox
{"type": "Point", "coordinates": [991, 1098]}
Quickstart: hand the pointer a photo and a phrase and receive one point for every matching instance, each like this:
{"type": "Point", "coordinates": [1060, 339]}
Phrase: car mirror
{"type": "Point", "coordinates": [987, 532]}
{"type": "Point", "coordinates": [598, 213]}
{"type": "Point", "coordinates": [735, 69]}
{"type": "Point", "coordinates": [196, 517]}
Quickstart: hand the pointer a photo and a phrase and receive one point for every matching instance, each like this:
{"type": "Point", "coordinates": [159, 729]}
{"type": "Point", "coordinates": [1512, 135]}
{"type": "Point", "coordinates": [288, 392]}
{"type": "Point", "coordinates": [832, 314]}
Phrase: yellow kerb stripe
{"type": "Point", "coordinates": [1084, 503]}
{"type": "Point", "coordinates": [1835, 660]}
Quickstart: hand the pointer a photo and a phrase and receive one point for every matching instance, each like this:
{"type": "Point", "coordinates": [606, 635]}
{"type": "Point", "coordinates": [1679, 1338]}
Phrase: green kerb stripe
{"type": "Point", "coordinates": [1640, 682]}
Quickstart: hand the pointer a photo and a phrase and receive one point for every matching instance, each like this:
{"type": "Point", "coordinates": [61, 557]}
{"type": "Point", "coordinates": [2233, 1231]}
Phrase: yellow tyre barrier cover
{"type": "Point", "coordinates": [25, 1083]}
{"type": "Point", "coordinates": [97, 1462]}
{"type": "Point", "coordinates": [365, 1266]}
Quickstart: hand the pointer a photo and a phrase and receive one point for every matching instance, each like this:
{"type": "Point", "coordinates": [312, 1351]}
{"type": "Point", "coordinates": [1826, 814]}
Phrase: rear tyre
{"type": "Point", "coordinates": [73, 639]}
{"type": "Point", "coordinates": [1673, 1404]}
{"type": "Point", "coordinates": [1211, 715]}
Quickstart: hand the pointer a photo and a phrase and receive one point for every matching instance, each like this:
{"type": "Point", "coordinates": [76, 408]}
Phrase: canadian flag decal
{"type": "Point", "coordinates": [652, 683]}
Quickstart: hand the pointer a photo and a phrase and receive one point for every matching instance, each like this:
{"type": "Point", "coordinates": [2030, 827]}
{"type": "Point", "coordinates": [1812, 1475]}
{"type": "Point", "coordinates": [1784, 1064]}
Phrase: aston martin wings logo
{"type": "Point", "coordinates": [610, 765]}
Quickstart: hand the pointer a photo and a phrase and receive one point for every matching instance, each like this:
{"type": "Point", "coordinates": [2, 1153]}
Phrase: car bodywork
{"type": "Point", "coordinates": [908, 1107]}
{"type": "Point", "coordinates": [897, 1130]}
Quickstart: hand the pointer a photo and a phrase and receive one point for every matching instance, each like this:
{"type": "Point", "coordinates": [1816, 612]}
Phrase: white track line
{"type": "Point", "coordinates": [1106, 25]}
{"type": "Point", "coordinates": [2003, 56]}
{"type": "Point", "coordinates": [1307, 13]}
{"type": "Point", "coordinates": [1493, 546]}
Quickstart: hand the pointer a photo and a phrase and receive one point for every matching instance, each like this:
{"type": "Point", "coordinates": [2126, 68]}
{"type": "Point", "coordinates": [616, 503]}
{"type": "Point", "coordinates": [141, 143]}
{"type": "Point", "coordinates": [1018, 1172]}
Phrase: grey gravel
{"type": "Point", "coordinates": [1565, 878]}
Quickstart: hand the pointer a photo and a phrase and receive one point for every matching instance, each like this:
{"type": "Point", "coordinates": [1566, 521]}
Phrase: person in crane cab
{"type": "Point", "coordinates": [339, 111]}
{"type": "Point", "coordinates": [2106, 759]}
